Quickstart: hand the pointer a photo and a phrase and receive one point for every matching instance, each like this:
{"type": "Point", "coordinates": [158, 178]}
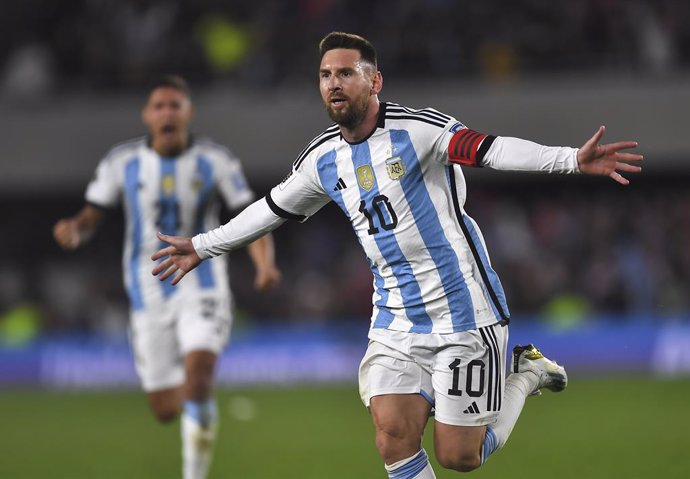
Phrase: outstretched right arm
{"type": "Point", "coordinates": [297, 197]}
{"type": "Point", "coordinates": [71, 233]}
{"type": "Point", "coordinates": [184, 254]}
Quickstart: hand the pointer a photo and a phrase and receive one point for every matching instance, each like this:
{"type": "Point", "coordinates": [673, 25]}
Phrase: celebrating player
{"type": "Point", "coordinates": [169, 181]}
{"type": "Point", "coordinates": [439, 328]}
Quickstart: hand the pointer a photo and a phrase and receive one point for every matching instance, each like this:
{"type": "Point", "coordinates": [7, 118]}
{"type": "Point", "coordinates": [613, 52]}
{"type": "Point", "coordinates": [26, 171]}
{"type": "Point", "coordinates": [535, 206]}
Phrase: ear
{"type": "Point", "coordinates": [377, 83]}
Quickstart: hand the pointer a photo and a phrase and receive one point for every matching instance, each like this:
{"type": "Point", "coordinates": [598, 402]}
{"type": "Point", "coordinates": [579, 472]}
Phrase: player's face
{"type": "Point", "coordinates": [167, 115]}
{"type": "Point", "coordinates": [345, 83]}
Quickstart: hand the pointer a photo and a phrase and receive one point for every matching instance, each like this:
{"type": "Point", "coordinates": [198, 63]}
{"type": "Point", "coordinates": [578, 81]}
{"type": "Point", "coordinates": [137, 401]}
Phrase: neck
{"type": "Point", "coordinates": [366, 127]}
{"type": "Point", "coordinates": [170, 149]}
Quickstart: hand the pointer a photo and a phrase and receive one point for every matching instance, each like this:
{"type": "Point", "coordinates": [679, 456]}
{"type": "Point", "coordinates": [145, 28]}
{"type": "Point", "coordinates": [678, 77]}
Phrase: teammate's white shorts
{"type": "Point", "coordinates": [161, 336]}
{"type": "Point", "coordinates": [462, 374]}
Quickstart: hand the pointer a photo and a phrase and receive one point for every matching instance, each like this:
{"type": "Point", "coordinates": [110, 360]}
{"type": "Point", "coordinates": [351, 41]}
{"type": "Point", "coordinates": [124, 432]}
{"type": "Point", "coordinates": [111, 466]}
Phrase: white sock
{"type": "Point", "coordinates": [415, 467]}
{"type": "Point", "coordinates": [518, 387]}
{"type": "Point", "coordinates": [199, 429]}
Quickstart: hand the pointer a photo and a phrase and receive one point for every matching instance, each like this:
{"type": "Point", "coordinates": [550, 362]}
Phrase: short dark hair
{"type": "Point", "coordinates": [350, 41]}
{"type": "Point", "coordinates": [171, 81]}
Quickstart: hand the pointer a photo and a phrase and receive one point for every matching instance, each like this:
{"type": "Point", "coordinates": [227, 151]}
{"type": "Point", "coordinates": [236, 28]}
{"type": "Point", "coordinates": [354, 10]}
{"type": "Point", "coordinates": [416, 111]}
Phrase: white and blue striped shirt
{"type": "Point", "coordinates": [404, 192]}
{"type": "Point", "coordinates": [175, 195]}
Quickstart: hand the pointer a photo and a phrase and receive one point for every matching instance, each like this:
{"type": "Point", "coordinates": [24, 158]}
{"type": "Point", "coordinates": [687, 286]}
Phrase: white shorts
{"type": "Point", "coordinates": [462, 374]}
{"type": "Point", "coordinates": [161, 336]}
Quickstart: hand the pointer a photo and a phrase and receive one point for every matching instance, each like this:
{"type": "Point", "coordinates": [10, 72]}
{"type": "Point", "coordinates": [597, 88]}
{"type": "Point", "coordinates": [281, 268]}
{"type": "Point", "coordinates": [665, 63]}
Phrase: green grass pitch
{"type": "Point", "coordinates": [603, 427]}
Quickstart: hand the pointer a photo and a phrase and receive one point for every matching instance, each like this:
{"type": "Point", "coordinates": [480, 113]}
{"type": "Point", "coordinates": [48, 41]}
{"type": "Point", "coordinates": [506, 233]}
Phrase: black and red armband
{"type": "Point", "coordinates": [468, 147]}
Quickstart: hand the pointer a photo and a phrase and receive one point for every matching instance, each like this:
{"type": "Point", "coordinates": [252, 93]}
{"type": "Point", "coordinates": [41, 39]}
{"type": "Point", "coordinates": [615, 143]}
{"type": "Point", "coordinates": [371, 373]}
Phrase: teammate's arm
{"type": "Point", "coordinates": [71, 233]}
{"type": "Point", "coordinates": [262, 253]}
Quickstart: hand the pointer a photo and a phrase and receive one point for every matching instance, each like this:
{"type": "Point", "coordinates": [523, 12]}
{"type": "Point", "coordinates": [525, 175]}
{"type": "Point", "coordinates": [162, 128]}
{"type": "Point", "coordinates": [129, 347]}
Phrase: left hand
{"type": "Point", "coordinates": [607, 160]}
{"type": "Point", "coordinates": [180, 258]}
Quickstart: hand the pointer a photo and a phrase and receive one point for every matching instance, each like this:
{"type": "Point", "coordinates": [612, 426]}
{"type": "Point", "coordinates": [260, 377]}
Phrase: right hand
{"type": "Point", "coordinates": [66, 234]}
{"type": "Point", "coordinates": [179, 258]}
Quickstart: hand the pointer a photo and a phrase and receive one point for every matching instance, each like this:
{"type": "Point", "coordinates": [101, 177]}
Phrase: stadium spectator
{"type": "Point", "coordinates": [169, 181]}
{"type": "Point", "coordinates": [439, 327]}
{"type": "Point", "coordinates": [106, 43]}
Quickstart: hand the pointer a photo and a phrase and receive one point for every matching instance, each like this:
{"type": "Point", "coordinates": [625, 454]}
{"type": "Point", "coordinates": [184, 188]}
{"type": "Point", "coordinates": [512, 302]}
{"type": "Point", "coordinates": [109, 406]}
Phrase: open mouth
{"type": "Point", "coordinates": [168, 129]}
{"type": "Point", "coordinates": [338, 102]}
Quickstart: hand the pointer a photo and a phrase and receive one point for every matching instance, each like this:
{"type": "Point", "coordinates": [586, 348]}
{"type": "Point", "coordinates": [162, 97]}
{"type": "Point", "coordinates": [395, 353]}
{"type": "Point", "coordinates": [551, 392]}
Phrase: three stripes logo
{"type": "Point", "coordinates": [473, 409]}
{"type": "Point", "coordinates": [340, 185]}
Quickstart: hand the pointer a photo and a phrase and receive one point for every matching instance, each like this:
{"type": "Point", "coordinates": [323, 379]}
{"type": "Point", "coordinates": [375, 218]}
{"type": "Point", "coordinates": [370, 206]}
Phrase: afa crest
{"type": "Point", "coordinates": [168, 185]}
{"type": "Point", "coordinates": [365, 177]}
{"type": "Point", "coordinates": [395, 167]}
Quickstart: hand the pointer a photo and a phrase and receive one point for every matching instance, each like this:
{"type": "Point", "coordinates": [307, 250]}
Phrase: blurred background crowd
{"type": "Point", "coordinates": [113, 44]}
{"type": "Point", "coordinates": [565, 248]}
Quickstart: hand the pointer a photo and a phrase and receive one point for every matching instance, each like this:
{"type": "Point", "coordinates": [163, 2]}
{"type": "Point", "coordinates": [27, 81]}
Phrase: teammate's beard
{"type": "Point", "coordinates": [352, 115]}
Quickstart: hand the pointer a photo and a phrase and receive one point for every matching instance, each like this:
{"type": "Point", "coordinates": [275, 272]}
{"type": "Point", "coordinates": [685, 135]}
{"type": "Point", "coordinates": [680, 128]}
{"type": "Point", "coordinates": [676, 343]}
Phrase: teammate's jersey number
{"type": "Point", "coordinates": [387, 219]}
{"type": "Point", "coordinates": [168, 215]}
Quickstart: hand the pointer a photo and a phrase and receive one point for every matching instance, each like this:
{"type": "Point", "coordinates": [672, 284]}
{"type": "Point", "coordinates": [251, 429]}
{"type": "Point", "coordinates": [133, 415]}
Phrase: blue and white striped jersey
{"type": "Point", "coordinates": [404, 192]}
{"type": "Point", "coordinates": [178, 196]}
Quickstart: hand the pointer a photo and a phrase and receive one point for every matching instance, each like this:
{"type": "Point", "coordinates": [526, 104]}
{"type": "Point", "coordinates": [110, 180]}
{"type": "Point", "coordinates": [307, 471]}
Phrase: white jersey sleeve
{"type": "Point", "coordinates": [301, 193]}
{"type": "Point", "coordinates": [232, 183]}
{"type": "Point", "coordinates": [253, 222]}
{"type": "Point", "coordinates": [515, 154]}
{"type": "Point", "coordinates": [104, 188]}
{"type": "Point", "coordinates": [461, 145]}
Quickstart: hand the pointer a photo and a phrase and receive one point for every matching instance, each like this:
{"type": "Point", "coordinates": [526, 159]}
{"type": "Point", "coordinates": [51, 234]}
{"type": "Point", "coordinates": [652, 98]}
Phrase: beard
{"type": "Point", "coordinates": [352, 115]}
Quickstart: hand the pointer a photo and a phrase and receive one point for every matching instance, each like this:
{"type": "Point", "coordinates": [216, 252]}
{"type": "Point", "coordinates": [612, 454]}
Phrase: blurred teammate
{"type": "Point", "coordinates": [170, 181]}
{"type": "Point", "coordinates": [438, 335]}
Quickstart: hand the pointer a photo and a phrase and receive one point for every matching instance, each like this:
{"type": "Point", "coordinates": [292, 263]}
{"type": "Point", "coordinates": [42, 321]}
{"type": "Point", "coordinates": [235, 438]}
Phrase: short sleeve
{"type": "Point", "coordinates": [232, 183]}
{"type": "Point", "coordinates": [104, 188]}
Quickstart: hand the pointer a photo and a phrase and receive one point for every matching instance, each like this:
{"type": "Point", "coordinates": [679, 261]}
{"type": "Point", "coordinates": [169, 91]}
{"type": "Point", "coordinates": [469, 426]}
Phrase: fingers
{"type": "Point", "coordinates": [621, 145]}
{"type": "Point", "coordinates": [592, 142]}
{"type": "Point", "coordinates": [167, 268]}
{"type": "Point", "coordinates": [168, 272]}
{"type": "Point", "coordinates": [66, 235]}
{"type": "Point", "coordinates": [617, 177]}
{"type": "Point", "coordinates": [180, 274]}
{"type": "Point", "coordinates": [167, 251]}
{"type": "Point", "coordinates": [163, 265]}
{"type": "Point", "coordinates": [628, 157]}
{"type": "Point", "coordinates": [628, 168]}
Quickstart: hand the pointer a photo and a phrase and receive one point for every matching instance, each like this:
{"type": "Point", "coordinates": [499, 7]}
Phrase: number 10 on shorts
{"type": "Point", "coordinates": [472, 388]}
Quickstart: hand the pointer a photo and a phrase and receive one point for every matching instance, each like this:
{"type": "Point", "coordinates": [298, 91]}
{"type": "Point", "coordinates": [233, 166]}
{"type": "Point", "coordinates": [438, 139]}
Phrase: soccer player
{"type": "Point", "coordinates": [439, 328]}
{"type": "Point", "coordinates": [170, 181]}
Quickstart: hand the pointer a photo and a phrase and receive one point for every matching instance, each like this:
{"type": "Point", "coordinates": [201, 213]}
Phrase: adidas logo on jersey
{"type": "Point", "coordinates": [340, 185]}
{"type": "Point", "coordinates": [473, 409]}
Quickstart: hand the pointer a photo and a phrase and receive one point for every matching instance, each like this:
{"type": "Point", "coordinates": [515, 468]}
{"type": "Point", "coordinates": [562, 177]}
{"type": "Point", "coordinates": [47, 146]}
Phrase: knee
{"type": "Point", "coordinates": [166, 415]}
{"type": "Point", "coordinates": [458, 461]}
{"type": "Point", "coordinates": [395, 444]}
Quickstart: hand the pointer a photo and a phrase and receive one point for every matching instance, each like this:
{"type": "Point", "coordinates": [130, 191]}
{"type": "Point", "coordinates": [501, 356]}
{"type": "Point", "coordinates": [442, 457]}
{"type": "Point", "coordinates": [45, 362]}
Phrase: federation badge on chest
{"type": "Point", "coordinates": [168, 185]}
{"type": "Point", "coordinates": [365, 177]}
{"type": "Point", "coordinates": [395, 167]}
